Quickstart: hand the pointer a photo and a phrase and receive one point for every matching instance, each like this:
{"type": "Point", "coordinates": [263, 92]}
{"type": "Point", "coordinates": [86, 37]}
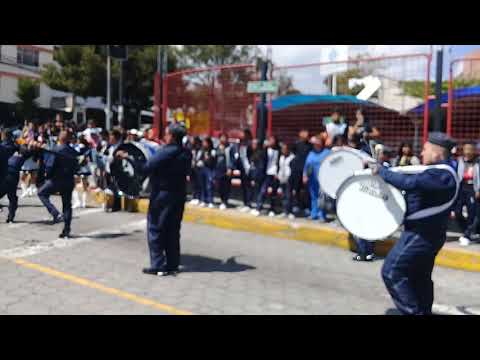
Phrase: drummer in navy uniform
{"type": "Point", "coordinates": [61, 169]}
{"type": "Point", "coordinates": [168, 170]}
{"type": "Point", "coordinates": [407, 271]}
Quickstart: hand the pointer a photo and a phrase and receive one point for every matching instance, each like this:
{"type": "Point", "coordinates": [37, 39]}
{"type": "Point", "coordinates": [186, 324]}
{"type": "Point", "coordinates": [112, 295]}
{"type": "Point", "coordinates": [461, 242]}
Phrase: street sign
{"type": "Point", "coordinates": [262, 87]}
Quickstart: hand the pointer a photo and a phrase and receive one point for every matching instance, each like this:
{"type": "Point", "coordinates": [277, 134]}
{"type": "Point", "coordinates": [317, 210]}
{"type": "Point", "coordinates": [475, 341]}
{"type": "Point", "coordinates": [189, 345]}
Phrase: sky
{"type": "Point", "coordinates": [304, 54]}
{"type": "Point", "coordinates": [309, 80]}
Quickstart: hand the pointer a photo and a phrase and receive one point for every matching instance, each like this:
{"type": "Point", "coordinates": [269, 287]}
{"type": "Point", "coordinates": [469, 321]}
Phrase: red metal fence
{"type": "Point", "coordinates": [393, 109]}
{"type": "Point", "coordinates": [211, 100]}
{"type": "Point", "coordinates": [215, 100]}
{"type": "Point", "coordinates": [463, 114]}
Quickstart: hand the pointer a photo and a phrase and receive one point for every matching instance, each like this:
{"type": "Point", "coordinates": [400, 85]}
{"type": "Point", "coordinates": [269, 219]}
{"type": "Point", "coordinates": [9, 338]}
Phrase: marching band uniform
{"type": "Point", "coordinates": [61, 169]}
{"type": "Point", "coordinates": [168, 170]}
{"type": "Point", "coordinates": [407, 270]}
{"type": "Point", "coordinates": [10, 165]}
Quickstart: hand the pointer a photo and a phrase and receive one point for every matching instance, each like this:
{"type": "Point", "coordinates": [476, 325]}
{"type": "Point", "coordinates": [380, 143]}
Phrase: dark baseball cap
{"type": "Point", "coordinates": [441, 139]}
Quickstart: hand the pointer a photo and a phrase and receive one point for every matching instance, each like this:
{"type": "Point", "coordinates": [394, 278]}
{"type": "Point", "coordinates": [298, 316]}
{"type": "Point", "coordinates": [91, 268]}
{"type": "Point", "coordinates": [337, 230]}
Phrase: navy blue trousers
{"type": "Point", "coordinates": [51, 187]}
{"type": "Point", "coordinates": [208, 181]}
{"type": "Point", "coordinates": [9, 188]}
{"type": "Point", "coordinates": [407, 272]}
{"type": "Point", "coordinates": [364, 247]}
{"type": "Point", "coordinates": [164, 221]}
{"type": "Point", "coordinates": [466, 197]}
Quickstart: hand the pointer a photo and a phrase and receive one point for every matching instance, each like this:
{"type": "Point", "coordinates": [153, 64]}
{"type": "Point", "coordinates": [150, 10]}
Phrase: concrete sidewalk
{"type": "Point", "coordinates": [452, 255]}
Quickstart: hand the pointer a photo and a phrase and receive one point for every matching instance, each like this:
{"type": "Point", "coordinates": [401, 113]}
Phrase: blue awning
{"type": "Point", "coordinates": [457, 94]}
{"type": "Point", "coordinates": [284, 102]}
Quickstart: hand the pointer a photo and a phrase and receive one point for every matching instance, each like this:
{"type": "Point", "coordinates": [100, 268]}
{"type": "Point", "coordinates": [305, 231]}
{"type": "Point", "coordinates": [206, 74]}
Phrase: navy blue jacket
{"type": "Point", "coordinates": [431, 188]}
{"type": "Point", "coordinates": [168, 170]}
{"type": "Point", "coordinates": [7, 149]}
{"type": "Point", "coordinates": [62, 166]}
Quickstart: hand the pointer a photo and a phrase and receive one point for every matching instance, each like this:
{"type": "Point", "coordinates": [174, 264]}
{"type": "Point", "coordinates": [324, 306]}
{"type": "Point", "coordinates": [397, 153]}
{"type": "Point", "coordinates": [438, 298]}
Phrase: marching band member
{"type": "Point", "coordinates": [168, 170]}
{"type": "Point", "coordinates": [61, 170]}
{"type": "Point", "coordinates": [407, 270]}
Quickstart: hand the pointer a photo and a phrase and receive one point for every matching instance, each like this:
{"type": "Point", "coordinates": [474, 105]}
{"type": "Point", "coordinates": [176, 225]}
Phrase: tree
{"type": "Point", "coordinates": [416, 88]}
{"type": "Point", "coordinates": [82, 71]}
{"type": "Point", "coordinates": [139, 72]}
{"type": "Point", "coordinates": [285, 85]}
{"type": "Point", "coordinates": [213, 55]}
{"type": "Point", "coordinates": [28, 91]}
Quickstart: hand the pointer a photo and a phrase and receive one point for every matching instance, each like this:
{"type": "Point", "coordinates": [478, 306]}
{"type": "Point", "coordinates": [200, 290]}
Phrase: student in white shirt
{"type": "Point", "coordinates": [272, 157]}
{"type": "Point", "coordinates": [284, 173]}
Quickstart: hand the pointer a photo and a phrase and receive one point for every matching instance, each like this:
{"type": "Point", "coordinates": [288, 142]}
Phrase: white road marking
{"type": "Point", "coordinates": [29, 250]}
{"type": "Point", "coordinates": [454, 310]}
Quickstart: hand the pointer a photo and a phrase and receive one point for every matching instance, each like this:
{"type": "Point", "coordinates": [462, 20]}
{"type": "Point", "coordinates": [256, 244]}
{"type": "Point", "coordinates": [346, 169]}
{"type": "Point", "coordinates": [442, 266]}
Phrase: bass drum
{"type": "Point", "coordinates": [369, 208]}
{"type": "Point", "coordinates": [337, 167]}
{"type": "Point", "coordinates": [128, 180]}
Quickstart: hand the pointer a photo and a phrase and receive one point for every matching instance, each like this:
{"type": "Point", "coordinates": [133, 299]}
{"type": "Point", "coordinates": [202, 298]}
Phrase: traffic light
{"type": "Point", "coordinates": [118, 52]}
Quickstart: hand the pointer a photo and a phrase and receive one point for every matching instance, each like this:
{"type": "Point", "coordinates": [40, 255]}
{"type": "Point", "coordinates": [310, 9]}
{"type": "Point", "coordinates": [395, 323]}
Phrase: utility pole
{"type": "Point", "coordinates": [120, 95]}
{"type": "Point", "coordinates": [108, 110]}
{"type": "Point", "coordinates": [437, 124]}
{"type": "Point", "coordinates": [262, 130]}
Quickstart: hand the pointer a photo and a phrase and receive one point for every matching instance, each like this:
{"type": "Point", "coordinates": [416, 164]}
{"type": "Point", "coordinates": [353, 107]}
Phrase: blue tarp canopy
{"type": "Point", "coordinates": [284, 102]}
{"type": "Point", "coordinates": [457, 94]}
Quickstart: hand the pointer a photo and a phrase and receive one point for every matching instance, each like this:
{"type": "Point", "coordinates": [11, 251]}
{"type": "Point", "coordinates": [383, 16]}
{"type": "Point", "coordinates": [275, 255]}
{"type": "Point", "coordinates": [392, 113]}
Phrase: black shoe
{"type": "Point", "coordinates": [64, 235]}
{"type": "Point", "coordinates": [169, 273]}
{"type": "Point", "coordinates": [9, 221]}
{"type": "Point", "coordinates": [57, 220]}
{"type": "Point", "coordinates": [150, 271]}
{"type": "Point", "coordinates": [359, 258]}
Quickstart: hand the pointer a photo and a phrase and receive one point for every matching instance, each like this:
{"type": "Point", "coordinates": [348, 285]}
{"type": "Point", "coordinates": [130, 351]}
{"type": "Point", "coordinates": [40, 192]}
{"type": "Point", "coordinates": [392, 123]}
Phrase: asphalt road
{"type": "Point", "coordinates": [225, 272]}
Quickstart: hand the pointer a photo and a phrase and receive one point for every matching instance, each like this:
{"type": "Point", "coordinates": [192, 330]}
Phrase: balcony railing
{"type": "Point", "coordinates": [8, 60]}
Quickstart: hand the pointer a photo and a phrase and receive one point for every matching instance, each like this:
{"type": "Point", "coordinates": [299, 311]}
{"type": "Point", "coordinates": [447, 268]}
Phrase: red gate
{"type": "Point", "coordinates": [463, 115]}
{"type": "Point", "coordinates": [211, 101]}
{"type": "Point", "coordinates": [308, 93]}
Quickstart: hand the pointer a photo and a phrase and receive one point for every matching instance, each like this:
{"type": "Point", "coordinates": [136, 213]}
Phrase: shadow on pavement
{"type": "Point", "coordinates": [199, 264]}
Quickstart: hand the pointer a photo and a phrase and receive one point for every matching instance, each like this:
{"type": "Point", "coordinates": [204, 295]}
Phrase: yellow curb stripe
{"type": "Point", "coordinates": [314, 234]}
{"type": "Point", "coordinates": [93, 285]}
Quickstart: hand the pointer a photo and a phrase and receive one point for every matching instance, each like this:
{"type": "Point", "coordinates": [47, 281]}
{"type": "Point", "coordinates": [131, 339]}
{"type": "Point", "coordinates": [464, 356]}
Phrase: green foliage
{"type": "Point", "coordinates": [212, 55]}
{"type": "Point", "coordinates": [416, 88]}
{"type": "Point", "coordinates": [28, 91]}
{"type": "Point", "coordinates": [82, 72]}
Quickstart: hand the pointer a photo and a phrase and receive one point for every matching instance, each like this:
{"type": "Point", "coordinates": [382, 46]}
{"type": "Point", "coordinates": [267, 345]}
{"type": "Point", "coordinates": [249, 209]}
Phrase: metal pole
{"type": "Point", "coordinates": [109, 95]}
{"type": "Point", "coordinates": [438, 126]}
{"type": "Point", "coordinates": [263, 114]}
{"type": "Point", "coordinates": [120, 95]}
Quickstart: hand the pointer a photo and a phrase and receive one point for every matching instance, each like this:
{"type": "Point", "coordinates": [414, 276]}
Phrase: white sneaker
{"type": "Point", "coordinates": [194, 202]}
{"type": "Point", "coordinates": [271, 214]}
{"type": "Point", "coordinates": [255, 212]}
{"type": "Point", "coordinates": [464, 241]}
{"type": "Point", "coordinates": [211, 206]}
{"type": "Point", "coordinates": [84, 201]}
{"type": "Point", "coordinates": [245, 209]}
{"type": "Point", "coordinates": [282, 216]}
{"type": "Point", "coordinates": [291, 217]}
{"type": "Point", "coordinates": [76, 205]}
{"type": "Point", "coordinates": [202, 204]}
{"type": "Point", "coordinates": [222, 207]}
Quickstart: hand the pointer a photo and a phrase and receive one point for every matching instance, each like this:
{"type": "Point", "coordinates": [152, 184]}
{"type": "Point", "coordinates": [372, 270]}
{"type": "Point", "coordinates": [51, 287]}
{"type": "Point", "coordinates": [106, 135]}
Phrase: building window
{"type": "Point", "coordinates": [27, 57]}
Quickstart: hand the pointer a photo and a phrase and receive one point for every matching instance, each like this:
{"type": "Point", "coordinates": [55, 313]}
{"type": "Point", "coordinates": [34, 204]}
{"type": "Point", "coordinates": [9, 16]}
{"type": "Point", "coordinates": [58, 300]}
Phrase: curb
{"type": "Point", "coordinates": [284, 229]}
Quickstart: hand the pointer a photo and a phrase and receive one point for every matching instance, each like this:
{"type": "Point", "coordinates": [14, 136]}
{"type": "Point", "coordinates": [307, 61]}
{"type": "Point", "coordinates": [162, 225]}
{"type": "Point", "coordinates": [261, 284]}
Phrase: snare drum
{"type": "Point", "coordinates": [338, 166]}
{"type": "Point", "coordinates": [369, 208]}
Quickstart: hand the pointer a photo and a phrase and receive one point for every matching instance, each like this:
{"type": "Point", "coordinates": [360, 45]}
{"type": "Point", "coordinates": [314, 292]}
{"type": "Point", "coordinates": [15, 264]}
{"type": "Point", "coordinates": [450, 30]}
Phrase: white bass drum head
{"type": "Point", "coordinates": [370, 208]}
{"type": "Point", "coordinates": [337, 167]}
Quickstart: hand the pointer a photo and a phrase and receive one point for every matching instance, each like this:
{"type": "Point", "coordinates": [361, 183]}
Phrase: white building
{"type": "Point", "coordinates": [20, 61]}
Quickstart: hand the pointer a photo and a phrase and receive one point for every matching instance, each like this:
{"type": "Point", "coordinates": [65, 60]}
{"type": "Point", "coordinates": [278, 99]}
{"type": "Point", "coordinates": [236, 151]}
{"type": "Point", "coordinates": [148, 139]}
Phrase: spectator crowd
{"type": "Point", "coordinates": [273, 178]}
